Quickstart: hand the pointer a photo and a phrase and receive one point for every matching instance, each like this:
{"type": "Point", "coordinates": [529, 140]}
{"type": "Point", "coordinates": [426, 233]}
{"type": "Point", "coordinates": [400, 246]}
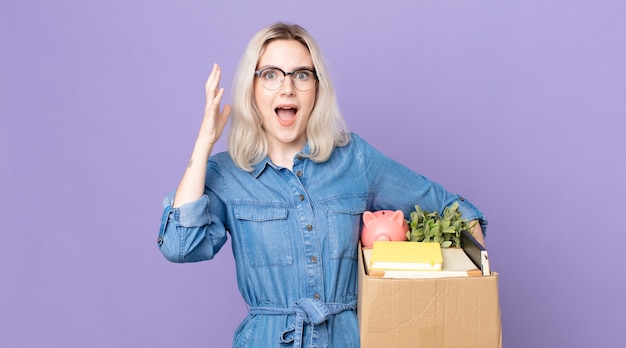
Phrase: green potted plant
{"type": "Point", "coordinates": [432, 227]}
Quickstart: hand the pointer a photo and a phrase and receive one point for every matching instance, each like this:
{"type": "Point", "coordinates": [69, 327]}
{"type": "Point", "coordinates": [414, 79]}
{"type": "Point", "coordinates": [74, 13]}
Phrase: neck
{"type": "Point", "coordinates": [283, 156]}
{"type": "Point", "coordinates": [283, 159]}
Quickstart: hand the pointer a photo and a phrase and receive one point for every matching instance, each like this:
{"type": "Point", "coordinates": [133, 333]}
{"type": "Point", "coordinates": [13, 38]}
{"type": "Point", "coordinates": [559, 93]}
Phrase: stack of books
{"type": "Point", "coordinates": [394, 259]}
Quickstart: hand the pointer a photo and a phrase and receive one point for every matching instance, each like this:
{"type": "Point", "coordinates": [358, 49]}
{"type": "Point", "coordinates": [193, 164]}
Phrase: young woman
{"type": "Point", "coordinates": [290, 193]}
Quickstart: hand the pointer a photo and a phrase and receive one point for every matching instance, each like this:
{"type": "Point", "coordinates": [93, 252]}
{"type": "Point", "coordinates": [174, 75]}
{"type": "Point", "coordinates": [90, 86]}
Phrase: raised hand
{"type": "Point", "coordinates": [214, 120]}
{"type": "Point", "coordinates": [191, 186]}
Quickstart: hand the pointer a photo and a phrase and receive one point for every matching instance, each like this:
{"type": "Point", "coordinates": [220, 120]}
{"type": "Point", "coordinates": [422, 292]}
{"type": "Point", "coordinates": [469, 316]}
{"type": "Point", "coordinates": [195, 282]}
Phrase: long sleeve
{"type": "Point", "coordinates": [394, 186]}
{"type": "Point", "coordinates": [192, 232]}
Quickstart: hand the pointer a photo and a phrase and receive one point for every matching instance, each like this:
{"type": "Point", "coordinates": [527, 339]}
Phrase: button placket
{"type": "Point", "coordinates": [314, 271]}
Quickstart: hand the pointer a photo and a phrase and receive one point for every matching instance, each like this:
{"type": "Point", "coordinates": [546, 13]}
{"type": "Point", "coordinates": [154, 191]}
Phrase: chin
{"type": "Point", "coordinates": [289, 137]}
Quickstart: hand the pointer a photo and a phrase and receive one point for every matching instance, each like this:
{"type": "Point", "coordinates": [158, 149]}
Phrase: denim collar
{"type": "Point", "coordinates": [259, 168]}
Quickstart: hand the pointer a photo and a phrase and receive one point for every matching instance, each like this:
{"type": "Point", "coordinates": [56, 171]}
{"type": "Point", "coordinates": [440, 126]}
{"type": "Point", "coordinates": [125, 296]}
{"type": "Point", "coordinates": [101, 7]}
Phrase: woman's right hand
{"type": "Point", "coordinates": [191, 186]}
{"type": "Point", "coordinates": [214, 120]}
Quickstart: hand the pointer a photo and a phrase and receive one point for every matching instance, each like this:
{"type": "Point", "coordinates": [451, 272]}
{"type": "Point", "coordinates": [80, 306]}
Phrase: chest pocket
{"type": "Point", "coordinates": [265, 234]}
{"type": "Point", "coordinates": [344, 218]}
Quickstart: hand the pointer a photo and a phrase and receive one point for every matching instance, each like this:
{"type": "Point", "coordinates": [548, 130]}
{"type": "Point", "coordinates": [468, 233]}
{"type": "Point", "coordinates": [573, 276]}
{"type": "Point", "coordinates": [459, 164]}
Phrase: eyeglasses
{"type": "Point", "coordinates": [272, 78]}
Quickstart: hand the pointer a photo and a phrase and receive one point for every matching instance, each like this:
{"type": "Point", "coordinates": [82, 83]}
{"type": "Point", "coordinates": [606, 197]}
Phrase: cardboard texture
{"type": "Point", "coordinates": [438, 313]}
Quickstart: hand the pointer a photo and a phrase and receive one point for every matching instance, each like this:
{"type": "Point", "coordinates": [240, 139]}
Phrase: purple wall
{"type": "Point", "coordinates": [519, 106]}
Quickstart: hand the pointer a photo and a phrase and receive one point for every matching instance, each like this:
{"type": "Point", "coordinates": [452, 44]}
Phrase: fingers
{"type": "Point", "coordinates": [226, 111]}
{"type": "Point", "coordinates": [214, 121]}
{"type": "Point", "coordinates": [213, 103]}
{"type": "Point", "coordinates": [213, 92]}
{"type": "Point", "coordinates": [213, 82]}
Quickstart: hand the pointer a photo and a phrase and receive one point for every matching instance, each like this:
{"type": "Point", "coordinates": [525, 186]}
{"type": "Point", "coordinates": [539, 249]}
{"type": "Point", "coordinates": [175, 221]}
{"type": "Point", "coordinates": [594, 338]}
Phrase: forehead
{"type": "Point", "coordinates": [285, 54]}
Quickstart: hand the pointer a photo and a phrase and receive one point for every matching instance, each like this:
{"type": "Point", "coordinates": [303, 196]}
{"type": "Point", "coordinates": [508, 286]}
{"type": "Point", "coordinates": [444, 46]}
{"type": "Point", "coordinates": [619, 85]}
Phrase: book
{"type": "Point", "coordinates": [476, 252]}
{"type": "Point", "coordinates": [455, 264]}
{"type": "Point", "coordinates": [407, 256]}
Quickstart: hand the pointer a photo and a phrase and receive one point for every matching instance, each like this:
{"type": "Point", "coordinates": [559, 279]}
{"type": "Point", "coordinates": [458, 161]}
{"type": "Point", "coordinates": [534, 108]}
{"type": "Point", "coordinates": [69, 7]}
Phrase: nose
{"type": "Point", "coordinates": [287, 87]}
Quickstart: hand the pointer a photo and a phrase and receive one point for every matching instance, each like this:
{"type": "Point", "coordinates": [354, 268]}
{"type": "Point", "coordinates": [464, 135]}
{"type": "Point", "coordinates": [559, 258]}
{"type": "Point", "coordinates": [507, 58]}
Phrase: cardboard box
{"type": "Point", "coordinates": [459, 312]}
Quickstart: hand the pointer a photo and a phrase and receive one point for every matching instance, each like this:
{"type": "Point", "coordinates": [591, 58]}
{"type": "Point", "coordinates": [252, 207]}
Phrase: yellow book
{"type": "Point", "coordinates": [406, 256]}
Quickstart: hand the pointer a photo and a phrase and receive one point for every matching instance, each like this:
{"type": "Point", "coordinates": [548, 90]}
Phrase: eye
{"type": "Point", "coordinates": [302, 75]}
{"type": "Point", "coordinates": [269, 74]}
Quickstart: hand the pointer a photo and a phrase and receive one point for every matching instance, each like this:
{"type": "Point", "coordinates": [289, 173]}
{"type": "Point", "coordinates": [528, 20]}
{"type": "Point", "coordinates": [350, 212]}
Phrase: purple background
{"type": "Point", "coordinates": [519, 106]}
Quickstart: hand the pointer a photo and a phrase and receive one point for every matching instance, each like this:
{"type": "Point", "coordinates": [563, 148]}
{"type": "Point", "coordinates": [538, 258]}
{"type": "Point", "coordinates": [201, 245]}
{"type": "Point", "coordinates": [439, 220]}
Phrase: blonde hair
{"type": "Point", "coordinates": [248, 143]}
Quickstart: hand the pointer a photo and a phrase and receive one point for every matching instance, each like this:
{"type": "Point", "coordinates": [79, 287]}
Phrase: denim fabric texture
{"type": "Point", "coordinates": [294, 234]}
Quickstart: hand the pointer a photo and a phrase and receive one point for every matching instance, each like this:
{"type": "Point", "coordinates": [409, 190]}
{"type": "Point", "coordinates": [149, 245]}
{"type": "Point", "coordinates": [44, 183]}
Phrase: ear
{"type": "Point", "coordinates": [368, 216]}
{"type": "Point", "coordinates": [398, 216]}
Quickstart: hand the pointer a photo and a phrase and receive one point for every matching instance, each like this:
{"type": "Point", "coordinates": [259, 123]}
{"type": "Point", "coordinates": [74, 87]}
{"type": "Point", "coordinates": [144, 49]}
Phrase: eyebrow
{"type": "Point", "coordinates": [295, 69]}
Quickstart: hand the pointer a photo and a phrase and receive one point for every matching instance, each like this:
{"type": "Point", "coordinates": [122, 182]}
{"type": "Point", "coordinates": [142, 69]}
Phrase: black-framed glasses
{"type": "Point", "coordinates": [272, 78]}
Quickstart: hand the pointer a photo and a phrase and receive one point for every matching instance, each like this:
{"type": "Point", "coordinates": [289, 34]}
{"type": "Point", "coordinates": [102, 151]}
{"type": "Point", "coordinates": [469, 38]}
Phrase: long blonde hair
{"type": "Point", "coordinates": [248, 143]}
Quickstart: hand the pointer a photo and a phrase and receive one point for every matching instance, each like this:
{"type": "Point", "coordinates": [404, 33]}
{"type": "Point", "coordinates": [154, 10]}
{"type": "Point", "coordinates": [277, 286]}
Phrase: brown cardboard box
{"type": "Point", "coordinates": [459, 312]}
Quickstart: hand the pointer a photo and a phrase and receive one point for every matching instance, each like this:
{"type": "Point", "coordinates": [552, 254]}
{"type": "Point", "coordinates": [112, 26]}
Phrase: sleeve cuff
{"type": "Point", "coordinates": [192, 214]}
{"type": "Point", "coordinates": [470, 212]}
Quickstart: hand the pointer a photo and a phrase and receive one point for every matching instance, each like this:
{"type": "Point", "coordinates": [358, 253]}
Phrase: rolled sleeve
{"type": "Point", "coordinates": [185, 235]}
{"type": "Point", "coordinates": [469, 212]}
{"type": "Point", "coordinates": [192, 214]}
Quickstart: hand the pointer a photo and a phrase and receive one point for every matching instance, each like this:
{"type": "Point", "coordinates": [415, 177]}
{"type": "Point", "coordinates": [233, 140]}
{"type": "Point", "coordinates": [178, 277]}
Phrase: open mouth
{"type": "Point", "coordinates": [286, 115]}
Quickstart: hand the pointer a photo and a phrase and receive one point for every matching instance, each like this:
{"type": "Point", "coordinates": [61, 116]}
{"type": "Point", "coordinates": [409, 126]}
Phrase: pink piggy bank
{"type": "Point", "coordinates": [383, 225]}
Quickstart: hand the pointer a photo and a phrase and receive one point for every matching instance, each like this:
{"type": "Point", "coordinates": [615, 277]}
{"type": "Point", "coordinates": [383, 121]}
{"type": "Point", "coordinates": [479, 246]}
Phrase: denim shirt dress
{"type": "Point", "coordinates": [295, 234]}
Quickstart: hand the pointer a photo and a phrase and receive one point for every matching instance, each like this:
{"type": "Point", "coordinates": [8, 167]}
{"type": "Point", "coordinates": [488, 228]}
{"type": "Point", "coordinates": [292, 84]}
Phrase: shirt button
{"type": "Point", "coordinates": [299, 173]}
{"type": "Point", "coordinates": [309, 227]}
{"type": "Point", "coordinates": [299, 157]}
{"type": "Point", "coordinates": [316, 296]}
{"type": "Point", "coordinates": [301, 197]}
{"type": "Point", "coordinates": [314, 259]}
